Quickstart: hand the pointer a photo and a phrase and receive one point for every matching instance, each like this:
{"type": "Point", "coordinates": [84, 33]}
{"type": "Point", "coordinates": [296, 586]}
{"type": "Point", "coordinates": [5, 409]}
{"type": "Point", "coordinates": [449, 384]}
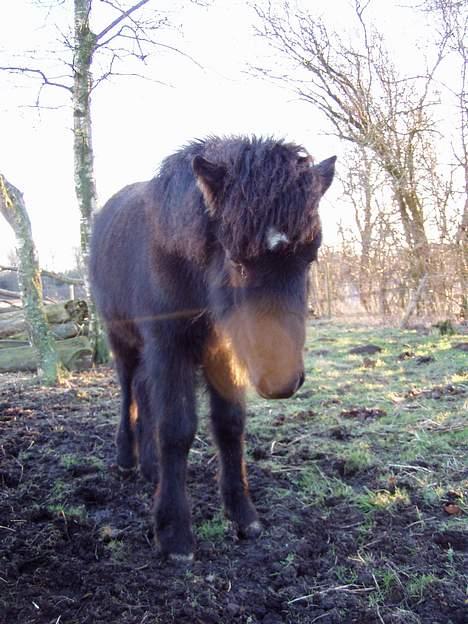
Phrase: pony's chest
{"type": "Point", "coordinates": [221, 367]}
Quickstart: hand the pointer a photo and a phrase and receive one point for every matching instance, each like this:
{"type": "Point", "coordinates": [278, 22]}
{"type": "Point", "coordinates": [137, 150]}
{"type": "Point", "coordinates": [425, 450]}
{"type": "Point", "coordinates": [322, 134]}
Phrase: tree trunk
{"type": "Point", "coordinates": [85, 186]}
{"type": "Point", "coordinates": [14, 210]}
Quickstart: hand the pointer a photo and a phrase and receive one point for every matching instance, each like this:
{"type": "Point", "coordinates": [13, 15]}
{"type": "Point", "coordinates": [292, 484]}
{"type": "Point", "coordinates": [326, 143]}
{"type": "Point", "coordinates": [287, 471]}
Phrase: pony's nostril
{"type": "Point", "coordinates": [300, 381]}
{"type": "Point", "coordinates": [283, 393]}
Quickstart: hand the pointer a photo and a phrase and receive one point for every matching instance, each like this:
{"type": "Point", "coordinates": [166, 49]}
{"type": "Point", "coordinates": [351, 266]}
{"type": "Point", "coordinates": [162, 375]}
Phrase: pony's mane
{"type": "Point", "coordinates": [269, 184]}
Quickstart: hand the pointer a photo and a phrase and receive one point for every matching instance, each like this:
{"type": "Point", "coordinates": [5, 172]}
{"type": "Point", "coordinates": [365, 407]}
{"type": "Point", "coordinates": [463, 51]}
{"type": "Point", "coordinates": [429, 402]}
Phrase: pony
{"type": "Point", "coordinates": [205, 268]}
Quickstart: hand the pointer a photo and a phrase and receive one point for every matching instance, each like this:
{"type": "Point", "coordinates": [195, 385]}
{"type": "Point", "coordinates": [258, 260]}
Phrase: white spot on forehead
{"type": "Point", "coordinates": [275, 238]}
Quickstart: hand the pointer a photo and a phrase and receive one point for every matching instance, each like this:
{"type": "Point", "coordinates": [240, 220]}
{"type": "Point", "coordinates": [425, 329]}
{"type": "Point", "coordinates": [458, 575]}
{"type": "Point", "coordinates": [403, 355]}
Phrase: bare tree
{"type": "Point", "coordinates": [366, 101]}
{"type": "Point", "coordinates": [13, 208]}
{"type": "Point", "coordinates": [363, 186]}
{"type": "Point", "coordinates": [452, 20]}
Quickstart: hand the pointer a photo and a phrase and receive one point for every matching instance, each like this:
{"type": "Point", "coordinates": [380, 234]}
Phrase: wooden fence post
{"type": "Point", "coordinates": [413, 302]}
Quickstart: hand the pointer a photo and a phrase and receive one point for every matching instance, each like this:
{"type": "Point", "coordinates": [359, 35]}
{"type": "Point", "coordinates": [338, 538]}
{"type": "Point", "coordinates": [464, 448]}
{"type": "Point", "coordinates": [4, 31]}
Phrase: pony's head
{"type": "Point", "coordinates": [262, 197]}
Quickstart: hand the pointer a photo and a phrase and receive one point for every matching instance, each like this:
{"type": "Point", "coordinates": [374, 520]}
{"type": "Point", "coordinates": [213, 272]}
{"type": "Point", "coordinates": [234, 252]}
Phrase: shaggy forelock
{"type": "Point", "coordinates": [269, 184]}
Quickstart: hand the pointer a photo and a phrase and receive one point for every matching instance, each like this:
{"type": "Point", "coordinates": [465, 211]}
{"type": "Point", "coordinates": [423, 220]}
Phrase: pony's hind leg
{"type": "Point", "coordinates": [146, 427]}
{"type": "Point", "coordinates": [126, 363]}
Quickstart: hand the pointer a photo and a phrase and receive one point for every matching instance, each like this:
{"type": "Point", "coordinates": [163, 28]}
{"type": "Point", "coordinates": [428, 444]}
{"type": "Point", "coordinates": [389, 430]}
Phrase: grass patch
{"type": "Point", "coordinates": [117, 550]}
{"type": "Point", "coordinates": [316, 488]}
{"type": "Point", "coordinates": [213, 530]}
{"type": "Point", "coordinates": [69, 511]}
{"type": "Point", "coordinates": [70, 461]}
{"type": "Point", "coordinates": [418, 585]}
{"type": "Point", "coordinates": [60, 490]}
{"type": "Point", "coordinates": [358, 458]}
{"type": "Point", "coordinates": [370, 502]}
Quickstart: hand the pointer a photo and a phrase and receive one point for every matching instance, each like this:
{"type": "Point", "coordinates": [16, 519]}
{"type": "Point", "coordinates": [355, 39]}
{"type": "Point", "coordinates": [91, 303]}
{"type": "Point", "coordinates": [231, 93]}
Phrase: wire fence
{"type": "Point", "coordinates": [385, 289]}
{"type": "Point", "coordinates": [387, 297]}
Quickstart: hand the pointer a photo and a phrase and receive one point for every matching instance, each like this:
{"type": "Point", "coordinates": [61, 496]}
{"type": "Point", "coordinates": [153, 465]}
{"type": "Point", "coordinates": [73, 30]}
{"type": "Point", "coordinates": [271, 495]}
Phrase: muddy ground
{"type": "Point", "coordinates": [76, 542]}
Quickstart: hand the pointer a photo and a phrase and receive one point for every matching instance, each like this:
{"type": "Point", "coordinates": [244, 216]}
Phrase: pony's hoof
{"type": "Point", "coordinates": [126, 457]}
{"type": "Point", "coordinates": [251, 531]}
{"type": "Point", "coordinates": [126, 473]}
{"type": "Point", "coordinates": [149, 473]}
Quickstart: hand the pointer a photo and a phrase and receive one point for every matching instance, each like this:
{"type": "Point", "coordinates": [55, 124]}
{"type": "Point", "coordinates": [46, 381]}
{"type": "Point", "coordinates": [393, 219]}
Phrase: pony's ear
{"type": "Point", "coordinates": [325, 170]}
{"type": "Point", "coordinates": [210, 179]}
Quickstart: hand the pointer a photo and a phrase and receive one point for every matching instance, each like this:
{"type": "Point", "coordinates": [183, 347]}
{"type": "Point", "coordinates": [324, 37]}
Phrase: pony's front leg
{"type": "Point", "coordinates": [228, 419]}
{"type": "Point", "coordinates": [173, 404]}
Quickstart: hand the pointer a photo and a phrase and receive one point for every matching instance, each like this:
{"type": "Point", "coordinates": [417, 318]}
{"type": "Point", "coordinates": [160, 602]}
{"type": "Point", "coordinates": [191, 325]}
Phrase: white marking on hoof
{"type": "Point", "coordinates": [180, 558]}
{"type": "Point", "coordinates": [275, 238]}
{"type": "Point", "coordinates": [254, 526]}
{"type": "Point", "coordinates": [251, 531]}
{"type": "Point", "coordinates": [126, 471]}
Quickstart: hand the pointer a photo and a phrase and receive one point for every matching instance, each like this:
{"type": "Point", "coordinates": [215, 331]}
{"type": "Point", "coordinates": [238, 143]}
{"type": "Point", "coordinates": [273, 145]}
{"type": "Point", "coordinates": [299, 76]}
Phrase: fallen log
{"type": "Point", "coordinates": [74, 353]}
{"type": "Point", "coordinates": [9, 294]}
{"type": "Point", "coordinates": [61, 331]}
{"type": "Point", "coordinates": [13, 342]}
{"type": "Point", "coordinates": [13, 323]}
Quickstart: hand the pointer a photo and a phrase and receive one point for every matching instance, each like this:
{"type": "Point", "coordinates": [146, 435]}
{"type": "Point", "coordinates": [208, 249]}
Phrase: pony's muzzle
{"type": "Point", "coordinates": [267, 392]}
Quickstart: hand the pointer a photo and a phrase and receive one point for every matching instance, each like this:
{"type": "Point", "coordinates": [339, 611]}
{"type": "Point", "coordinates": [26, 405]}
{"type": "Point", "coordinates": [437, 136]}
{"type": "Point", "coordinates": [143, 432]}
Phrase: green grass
{"type": "Point", "coordinates": [70, 511]}
{"type": "Point", "coordinates": [371, 501]}
{"type": "Point", "coordinates": [117, 550]}
{"type": "Point", "coordinates": [214, 529]}
{"type": "Point", "coordinates": [418, 585]}
{"type": "Point", "coordinates": [70, 460]}
{"type": "Point", "coordinates": [316, 488]}
{"type": "Point", "coordinates": [423, 406]}
{"type": "Point", "coordinates": [386, 441]}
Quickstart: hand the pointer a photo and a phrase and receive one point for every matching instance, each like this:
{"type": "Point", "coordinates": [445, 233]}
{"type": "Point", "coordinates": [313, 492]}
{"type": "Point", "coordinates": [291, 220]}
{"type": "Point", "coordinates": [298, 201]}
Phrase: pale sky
{"type": "Point", "coordinates": [137, 123]}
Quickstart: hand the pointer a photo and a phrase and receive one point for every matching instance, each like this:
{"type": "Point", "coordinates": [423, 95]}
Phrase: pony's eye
{"type": "Point", "coordinates": [239, 268]}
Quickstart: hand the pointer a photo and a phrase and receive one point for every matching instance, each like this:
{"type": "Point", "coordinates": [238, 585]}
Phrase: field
{"type": "Point", "coordinates": [360, 481]}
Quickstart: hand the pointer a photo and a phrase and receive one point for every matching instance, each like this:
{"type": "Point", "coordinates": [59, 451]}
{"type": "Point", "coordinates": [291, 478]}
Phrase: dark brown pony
{"type": "Point", "coordinates": [205, 267]}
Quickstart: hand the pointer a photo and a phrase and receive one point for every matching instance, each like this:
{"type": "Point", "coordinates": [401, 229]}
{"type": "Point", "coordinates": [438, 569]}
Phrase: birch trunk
{"type": "Point", "coordinates": [85, 186]}
{"type": "Point", "coordinates": [14, 210]}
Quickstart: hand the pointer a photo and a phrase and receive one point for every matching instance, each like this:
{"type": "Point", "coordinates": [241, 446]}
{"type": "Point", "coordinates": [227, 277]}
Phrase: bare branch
{"type": "Point", "coordinates": [57, 276]}
{"type": "Point", "coordinates": [119, 19]}
{"type": "Point", "coordinates": [168, 47]}
{"type": "Point", "coordinates": [46, 81]}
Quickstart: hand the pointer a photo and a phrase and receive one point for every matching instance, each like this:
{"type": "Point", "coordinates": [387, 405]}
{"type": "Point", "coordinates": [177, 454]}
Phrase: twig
{"type": "Point", "coordinates": [378, 613]}
{"type": "Point", "coordinates": [57, 276]}
{"type": "Point", "coordinates": [319, 617]}
{"type": "Point", "coordinates": [339, 588]}
{"type": "Point", "coordinates": [62, 513]}
{"type": "Point", "coordinates": [410, 467]}
{"type": "Point", "coordinates": [423, 521]}
{"type": "Point", "coordinates": [39, 72]}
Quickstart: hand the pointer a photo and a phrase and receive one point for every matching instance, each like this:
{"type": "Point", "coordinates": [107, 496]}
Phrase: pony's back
{"type": "Point", "coordinates": [118, 251]}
